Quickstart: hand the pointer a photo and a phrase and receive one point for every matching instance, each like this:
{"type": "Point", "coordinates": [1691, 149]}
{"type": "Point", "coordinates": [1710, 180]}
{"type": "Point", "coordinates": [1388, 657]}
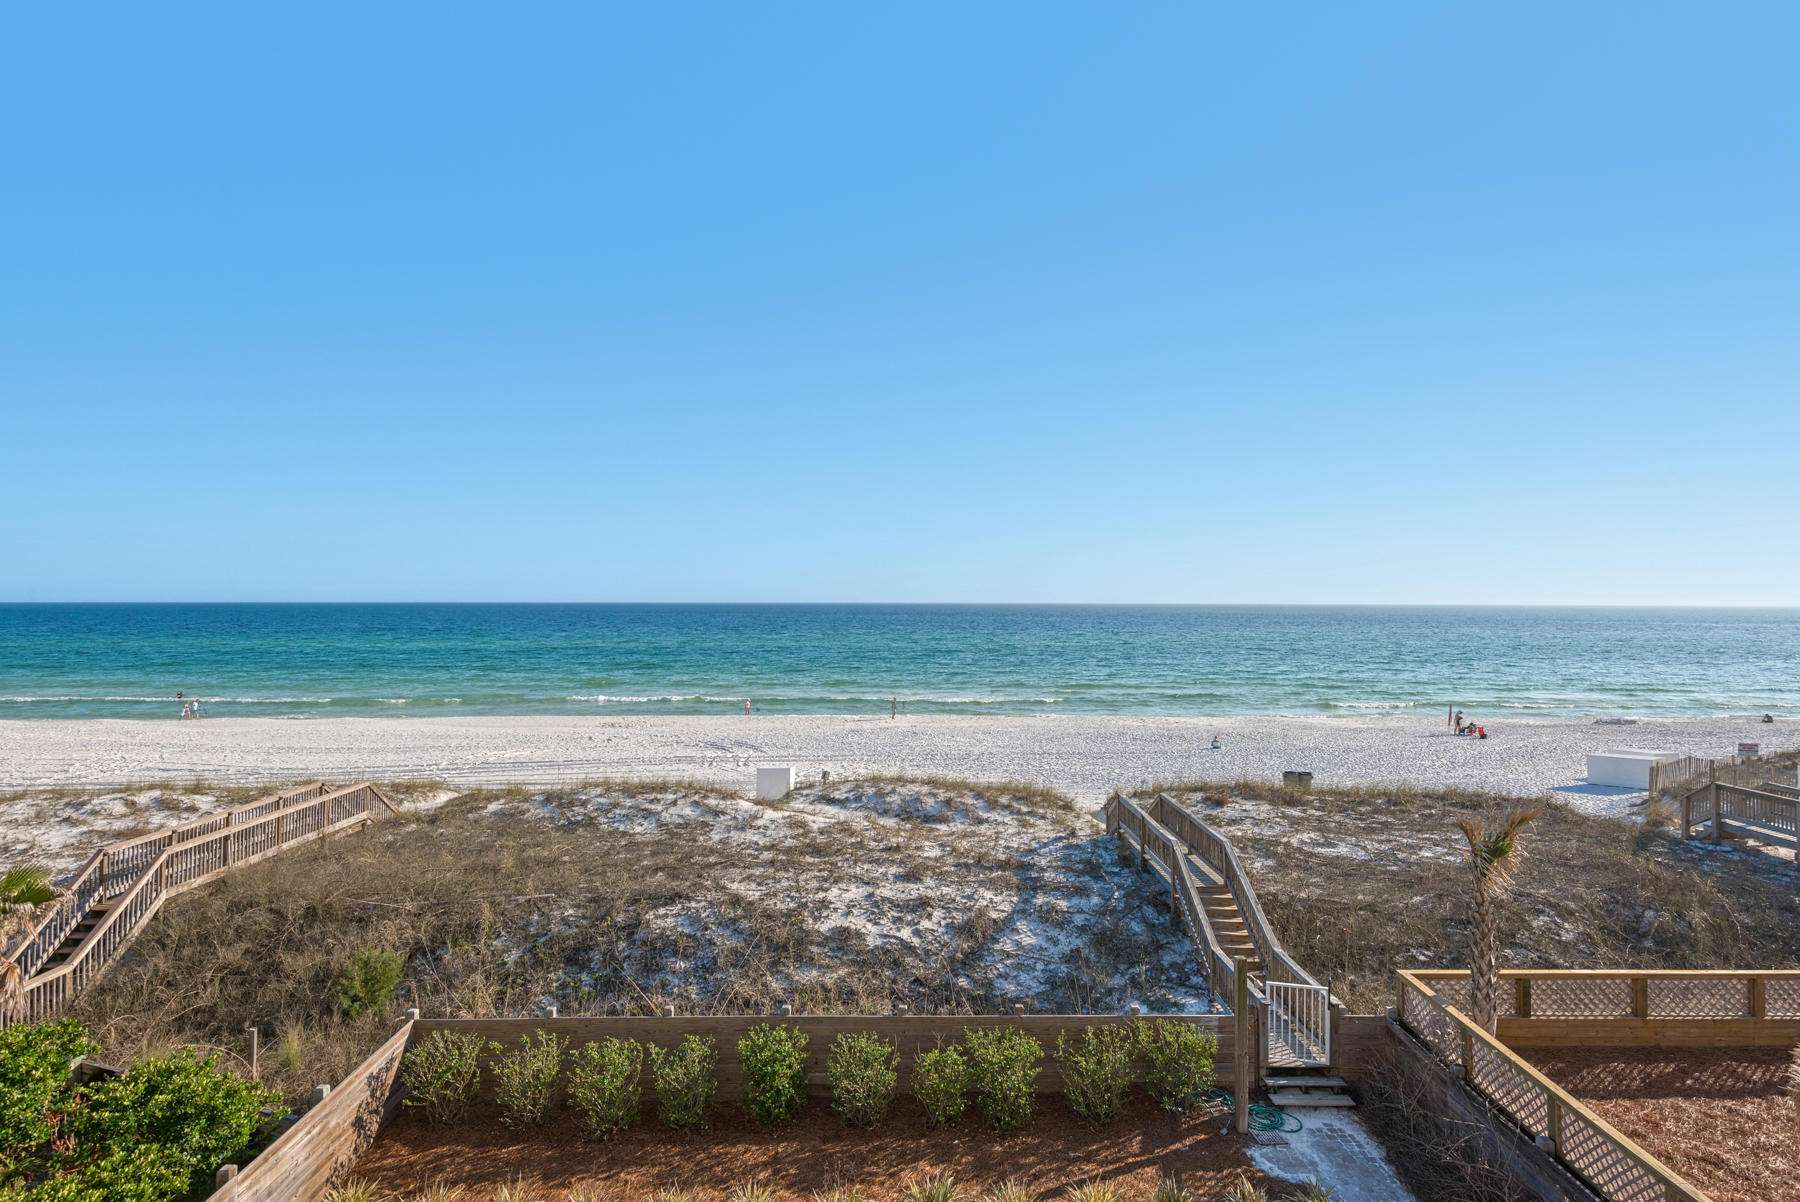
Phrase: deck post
{"type": "Point", "coordinates": [1522, 996]}
{"type": "Point", "coordinates": [1712, 795]}
{"type": "Point", "coordinates": [1243, 1031]}
{"type": "Point", "coordinates": [1640, 997]}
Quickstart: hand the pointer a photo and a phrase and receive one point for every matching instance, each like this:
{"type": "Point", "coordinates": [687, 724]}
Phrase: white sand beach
{"type": "Point", "coordinates": [1084, 755]}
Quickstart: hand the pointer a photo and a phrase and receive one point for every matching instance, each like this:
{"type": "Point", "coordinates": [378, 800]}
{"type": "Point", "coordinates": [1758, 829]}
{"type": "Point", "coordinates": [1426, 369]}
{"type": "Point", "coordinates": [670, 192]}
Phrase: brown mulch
{"type": "Point", "coordinates": [813, 1154]}
{"type": "Point", "coordinates": [1721, 1117]}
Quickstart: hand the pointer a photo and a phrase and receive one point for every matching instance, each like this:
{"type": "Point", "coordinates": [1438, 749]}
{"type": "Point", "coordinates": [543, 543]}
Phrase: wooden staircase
{"type": "Point", "coordinates": [1223, 915]}
{"type": "Point", "coordinates": [76, 937]}
{"type": "Point", "coordinates": [122, 886]}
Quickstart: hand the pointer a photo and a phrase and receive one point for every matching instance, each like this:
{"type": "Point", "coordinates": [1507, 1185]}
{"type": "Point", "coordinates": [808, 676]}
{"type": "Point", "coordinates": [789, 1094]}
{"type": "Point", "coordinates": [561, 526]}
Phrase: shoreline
{"type": "Point", "coordinates": [1084, 755]}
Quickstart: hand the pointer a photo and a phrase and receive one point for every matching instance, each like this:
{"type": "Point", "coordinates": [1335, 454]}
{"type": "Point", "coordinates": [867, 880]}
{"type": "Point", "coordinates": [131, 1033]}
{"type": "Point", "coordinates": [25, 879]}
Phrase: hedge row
{"type": "Point", "coordinates": [995, 1068]}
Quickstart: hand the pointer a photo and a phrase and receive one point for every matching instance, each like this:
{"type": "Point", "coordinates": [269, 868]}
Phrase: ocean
{"type": "Point", "coordinates": [312, 661]}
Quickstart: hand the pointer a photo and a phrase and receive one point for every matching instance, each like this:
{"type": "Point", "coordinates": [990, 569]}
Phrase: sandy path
{"type": "Point", "coordinates": [1084, 755]}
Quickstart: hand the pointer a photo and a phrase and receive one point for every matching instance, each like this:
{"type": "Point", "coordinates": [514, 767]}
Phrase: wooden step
{"type": "Point", "coordinates": [1293, 1099]}
{"type": "Point", "coordinates": [1275, 1083]}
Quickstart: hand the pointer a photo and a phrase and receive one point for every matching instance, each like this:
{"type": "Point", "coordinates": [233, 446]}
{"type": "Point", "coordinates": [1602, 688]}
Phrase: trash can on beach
{"type": "Point", "coordinates": [1296, 780]}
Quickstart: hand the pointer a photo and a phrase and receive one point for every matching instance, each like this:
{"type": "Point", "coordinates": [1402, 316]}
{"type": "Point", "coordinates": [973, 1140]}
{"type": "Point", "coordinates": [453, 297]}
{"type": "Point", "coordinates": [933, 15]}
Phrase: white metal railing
{"type": "Point", "coordinates": [1299, 1023]}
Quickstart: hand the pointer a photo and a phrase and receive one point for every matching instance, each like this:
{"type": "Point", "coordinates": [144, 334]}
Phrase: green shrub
{"type": "Point", "coordinates": [606, 1085]}
{"type": "Point", "coordinates": [180, 1105]}
{"type": "Point", "coordinates": [34, 1070]}
{"type": "Point", "coordinates": [371, 981]}
{"type": "Point", "coordinates": [1243, 1191]}
{"type": "Point", "coordinates": [774, 1059]}
{"type": "Point", "coordinates": [863, 1075]}
{"type": "Point", "coordinates": [1096, 1071]}
{"type": "Point", "coordinates": [525, 1080]}
{"type": "Point", "coordinates": [1178, 1062]}
{"type": "Point", "coordinates": [357, 1189]}
{"type": "Point", "coordinates": [1003, 1068]}
{"type": "Point", "coordinates": [687, 1080]}
{"type": "Point", "coordinates": [441, 1074]}
{"type": "Point", "coordinates": [147, 1174]}
{"type": "Point", "coordinates": [1312, 1191]}
{"type": "Point", "coordinates": [940, 1079]}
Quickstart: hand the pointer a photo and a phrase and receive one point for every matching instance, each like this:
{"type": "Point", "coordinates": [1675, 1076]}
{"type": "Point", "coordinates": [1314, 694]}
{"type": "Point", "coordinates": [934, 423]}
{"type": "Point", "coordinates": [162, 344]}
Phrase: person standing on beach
{"type": "Point", "coordinates": [894, 708]}
{"type": "Point", "coordinates": [746, 705]}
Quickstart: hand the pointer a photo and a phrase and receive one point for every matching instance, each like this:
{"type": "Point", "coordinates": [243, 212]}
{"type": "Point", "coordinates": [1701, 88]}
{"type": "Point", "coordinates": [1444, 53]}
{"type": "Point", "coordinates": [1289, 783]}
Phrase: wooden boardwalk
{"type": "Point", "coordinates": [104, 906]}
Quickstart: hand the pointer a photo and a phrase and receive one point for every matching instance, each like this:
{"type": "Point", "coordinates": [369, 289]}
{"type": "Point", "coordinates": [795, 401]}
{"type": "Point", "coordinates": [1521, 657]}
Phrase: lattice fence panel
{"type": "Point", "coordinates": [1456, 992]}
{"type": "Point", "coordinates": [1699, 997]}
{"type": "Point", "coordinates": [1432, 1025]}
{"type": "Point", "coordinates": [1580, 997]}
{"type": "Point", "coordinates": [1781, 995]}
{"type": "Point", "coordinates": [1511, 1089]}
{"type": "Point", "coordinates": [1605, 1166]}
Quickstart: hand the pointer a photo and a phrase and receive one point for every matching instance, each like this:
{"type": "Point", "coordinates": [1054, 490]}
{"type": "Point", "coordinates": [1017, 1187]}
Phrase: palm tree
{"type": "Point", "coordinates": [1493, 860]}
{"type": "Point", "coordinates": [28, 884]}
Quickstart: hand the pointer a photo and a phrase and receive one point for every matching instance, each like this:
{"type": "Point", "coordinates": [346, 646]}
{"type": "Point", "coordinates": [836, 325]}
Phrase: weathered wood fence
{"type": "Point", "coordinates": [125, 883]}
{"type": "Point", "coordinates": [1573, 1008]}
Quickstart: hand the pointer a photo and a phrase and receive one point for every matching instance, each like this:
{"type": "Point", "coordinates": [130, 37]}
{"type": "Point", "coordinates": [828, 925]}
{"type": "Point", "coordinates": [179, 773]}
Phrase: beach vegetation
{"type": "Point", "coordinates": [1096, 1070]}
{"type": "Point", "coordinates": [1010, 1190]}
{"type": "Point", "coordinates": [773, 1056]}
{"type": "Point", "coordinates": [525, 1079]}
{"type": "Point", "coordinates": [1094, 1190]}
{"type": "Point", "coordinates": [1169, 1189]}
{"type": "Point", "coordinates": [26, 885]}
{"type": "Point", "coordinates": [1178, 1062]}
{"type": "Point", "coordinates": [152, 1134]}
{"type": "Point", "coordinates": [687, 1081]}
{"type": "Point", "coordinates": [1492, 859]}
{"type": "Point", "coordinates": [863, 1072]}
{"type": "Point", "coordinates": [937, 1187]}
{"type": "Point", "coordinates": [941, 1081]}
{"type": "Point", "coordinates": [442, 1073]}
{"type": "Point", "coordinates": [1246, 1191]}
{"type": "Point", "coordinates": [370, 981]}
{"type": "Point", "coordinates": [605, 1085]}
{"type": "Point", "coordinates": [1004, 1063]}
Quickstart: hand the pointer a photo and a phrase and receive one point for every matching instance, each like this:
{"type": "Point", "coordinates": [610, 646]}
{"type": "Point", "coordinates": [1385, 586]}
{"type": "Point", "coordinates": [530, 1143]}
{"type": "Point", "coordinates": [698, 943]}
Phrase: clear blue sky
{"type": "Point", "coordinates": [901, 302]}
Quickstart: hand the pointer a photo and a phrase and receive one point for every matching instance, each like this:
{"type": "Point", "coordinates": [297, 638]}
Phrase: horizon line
{"type": "Point", "coordinates": [961, 604]}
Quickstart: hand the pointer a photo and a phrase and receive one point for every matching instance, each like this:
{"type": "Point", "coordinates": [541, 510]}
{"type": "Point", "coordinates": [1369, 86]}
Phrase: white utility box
{"type": "Point", "coordinates": [1625, 768]}
{"type": "Point", "coordinates": [772, 784]}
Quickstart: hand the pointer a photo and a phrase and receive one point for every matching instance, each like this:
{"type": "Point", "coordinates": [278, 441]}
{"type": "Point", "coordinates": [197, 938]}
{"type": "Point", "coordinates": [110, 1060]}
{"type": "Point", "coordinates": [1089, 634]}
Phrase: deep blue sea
{"type": "Point", "coordinates": [302, 661]}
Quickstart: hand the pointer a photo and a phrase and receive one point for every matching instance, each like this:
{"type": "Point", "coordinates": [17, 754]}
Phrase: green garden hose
{"type": "Point", "coordinates": [1263, 1117]}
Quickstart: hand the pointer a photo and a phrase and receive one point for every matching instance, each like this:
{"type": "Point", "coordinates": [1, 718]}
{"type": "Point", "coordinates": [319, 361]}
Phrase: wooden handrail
{"type": "Point", "coordinates": [1278, 965]}
{"type": "Point", "coordinates": [179, 866]}
{"type": "Point", "coordinates": [1558, 1105]}
{"type": "Point", "coordinates": [1614, 974]}
{"type": "Point", "coordinates": [1160, 844]}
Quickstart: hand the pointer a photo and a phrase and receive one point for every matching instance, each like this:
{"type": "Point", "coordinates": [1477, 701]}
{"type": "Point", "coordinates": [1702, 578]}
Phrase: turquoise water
{"type": "Point", "coordinates": [127, 661]}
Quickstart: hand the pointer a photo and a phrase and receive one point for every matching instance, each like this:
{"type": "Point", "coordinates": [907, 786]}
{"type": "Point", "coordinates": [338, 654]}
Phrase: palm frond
{"type": "Point", "coordinates": [28, 884]}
